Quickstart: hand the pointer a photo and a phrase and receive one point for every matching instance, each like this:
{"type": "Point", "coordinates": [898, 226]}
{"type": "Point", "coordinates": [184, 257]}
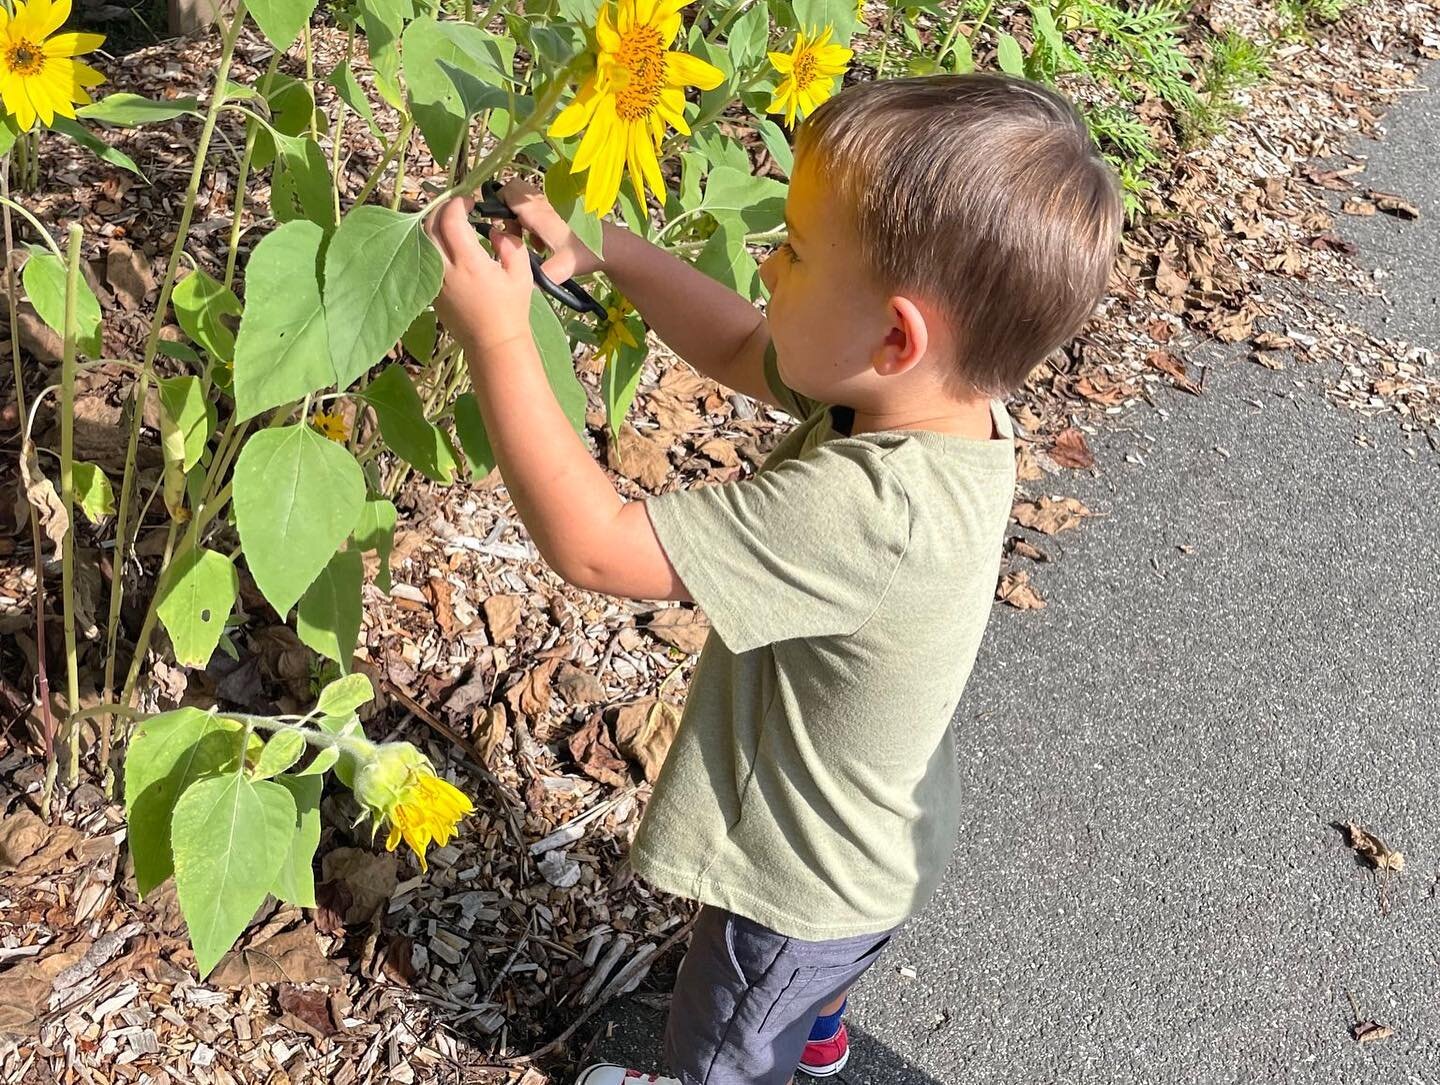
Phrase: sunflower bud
{"type": "Point", "coordinates": [397, 786]}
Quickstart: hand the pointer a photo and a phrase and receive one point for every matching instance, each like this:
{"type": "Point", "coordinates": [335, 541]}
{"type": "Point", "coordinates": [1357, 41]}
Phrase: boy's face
{"type": "Point", "coordinates": [827, 317]}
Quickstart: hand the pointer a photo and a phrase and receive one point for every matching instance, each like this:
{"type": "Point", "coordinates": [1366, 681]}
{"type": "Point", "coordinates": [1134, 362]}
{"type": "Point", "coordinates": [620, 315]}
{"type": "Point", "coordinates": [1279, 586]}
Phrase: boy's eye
{"type": "Point", "coordinates": [789, 251]}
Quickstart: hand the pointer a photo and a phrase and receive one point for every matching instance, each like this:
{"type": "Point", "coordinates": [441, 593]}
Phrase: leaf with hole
{"type": "Point", "coordinates": [195, 597]}
{"type": "Point", "coordinates": [207, 309]}
{"type": "Point", "coordinates": [230, 835]}
{"type": "Point", "coordinates": [302, 187]}
{"type": "Point", "coordinates": [297, 497]}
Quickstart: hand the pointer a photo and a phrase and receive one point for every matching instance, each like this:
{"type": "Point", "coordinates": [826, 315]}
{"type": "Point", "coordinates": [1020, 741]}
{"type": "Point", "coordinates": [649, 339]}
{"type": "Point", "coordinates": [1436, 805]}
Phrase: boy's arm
{"type": "Point", "coordinates": [711, 327]}
{"type": "Point", "coordinates": [583, 528]}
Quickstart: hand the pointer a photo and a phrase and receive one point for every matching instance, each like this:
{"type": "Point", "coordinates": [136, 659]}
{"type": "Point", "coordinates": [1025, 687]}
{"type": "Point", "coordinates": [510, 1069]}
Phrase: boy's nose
{"type": "Point", "coordinates": [767, 271]}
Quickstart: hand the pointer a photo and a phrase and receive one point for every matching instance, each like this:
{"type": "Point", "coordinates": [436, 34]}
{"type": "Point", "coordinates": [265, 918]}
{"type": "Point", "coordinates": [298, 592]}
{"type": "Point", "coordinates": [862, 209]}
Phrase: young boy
{"type": "Point", "coordinates": [944, 235]}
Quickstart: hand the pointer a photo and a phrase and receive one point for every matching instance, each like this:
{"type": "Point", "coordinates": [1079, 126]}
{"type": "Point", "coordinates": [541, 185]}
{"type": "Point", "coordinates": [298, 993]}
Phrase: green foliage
{"type": "Point", "coordinates": [44, 280]}
{"type": "Point", "coordinates": [1235, 63]}
{"type": "Point", "coordinates": [194, 600]}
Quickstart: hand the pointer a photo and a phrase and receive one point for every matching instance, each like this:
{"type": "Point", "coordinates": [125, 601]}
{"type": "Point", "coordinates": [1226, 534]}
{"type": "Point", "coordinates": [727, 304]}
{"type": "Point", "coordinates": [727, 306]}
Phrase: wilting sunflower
{"type": "Point", "coordinates": [38, 73]}
{"type": "Point", "coordinates": [396, 784]}
{"type": "Point", "coordinates": [637, 88]}
{"type": "Point", "coordinates": [617, 334]}
{"type": "Point", "coordinates": [809, 71]}
{"type": "Point", "coordinates": [330, 425]}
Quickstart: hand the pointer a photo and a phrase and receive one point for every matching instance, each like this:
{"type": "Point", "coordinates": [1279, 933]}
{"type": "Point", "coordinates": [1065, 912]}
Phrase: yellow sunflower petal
{"type": "Point", "coordinates": [602, 184]}
{"type": "Point", "coordinates": [4, 17]}
{"type": "Point", "coordinates": [650, 167]}
{"type": "Point", "coordinates": [834, 54]}
{"type": "Point", "coordinates": [605, 34]}
{"type": "Point", "coordinates": [47, 22]}
{"type": "Point", "coordinates": [71, 44]}
{"type": "Point", "coordinates": [784, 62]}
{"type": "Point", "coordinates": [671, 109]}
{"type": "Point", "coordinates": [624, 16]}
{"type": "Point", "coordinates": [681, 69]}
{"type": "Point", "coordinates": [597, 135]}
{"type": "Point", "coordinates": [577, 114]}
{"type": "Point", "coordinates": [393, 839]}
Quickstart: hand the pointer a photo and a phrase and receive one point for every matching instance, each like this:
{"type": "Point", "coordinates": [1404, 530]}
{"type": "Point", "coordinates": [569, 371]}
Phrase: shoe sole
{"type": "Point", "coordinates": [829, 1070]}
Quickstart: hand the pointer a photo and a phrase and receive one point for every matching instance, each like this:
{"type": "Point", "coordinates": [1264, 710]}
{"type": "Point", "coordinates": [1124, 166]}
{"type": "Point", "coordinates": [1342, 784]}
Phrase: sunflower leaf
{"type": "Point", "coordinates": [431, 49]}
{"type": "Point", "coordinates": [66, 127]}
{"type": "Point", "coordinates": [407, 432]}
{"type": "Point", "coordinates": [124, 109]}
{"type": "Point", "coordinates": [44, 279]}
{"type": "Point", "coordinates": [329, 616]}
{"type": "Point", "coordinates": [201, 305]}
{"type": "Point", "coordinates": [281, 20]}
{"type": "Point", "coordinates": [196, 596]}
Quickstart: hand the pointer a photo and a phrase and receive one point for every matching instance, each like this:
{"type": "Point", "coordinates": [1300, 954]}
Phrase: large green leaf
{"type": "Point", "coordinates": [44, 279]}
{"type": "Point", "coordinates": [102, 150]}
{"type": "Point", "coordinates": [352, 94]}
{"type": "Point", "coordinates": [297, 497]}
{"type": "Point", "coordinates": [474, 441]}
{"type": "Point", "coordinates": [201, 305]}
{"type": "Point", "coordinates": [403, 425]}
{"type": "Point", "coordinates": [186, 421]}
{"type": "Point", "coordinates": [345, 695]}
{"type": "Point", "coordinates": [817, 14]}
{"type": "Point", "coordinates": [554, 347]}
{"type": "Point", "coordinates": [380, 272]}
{"type": "Point", "coordinates": [281, 20]}
{"type": "Point", "coordinates": [164, 755]}
{"type": "Point", "coordinates": [748, 37]}
{"type": "Point", "coordinates": [295, 881]}
{"type": "Point", "coordinates": [282, 351]}
{"type": "Point", "coordinates": [195, 598]}
{"type": "Point", "coordinates": [92, 490]}
{"type": "Point", "coordinates": [126, 109]}
{"type": "Point", "coordinates": [419, 338]}
{"type": "Point", "coordinates": [725, 259]}
{"type": "Point", "coordinates": [621, 378]}
{"type": "Point", "coordinates": [759, 201]}
{"type": "Point", "coordinates": [292, 107]}
{"type": "Point", "coordinates": [383, 21]}
{"type": "Point", "coordinates": [440, 106]}
{"type": "Point", "coordinates": [330, 610]}
{"type": "Point", "coordinates": [302, 187]}
{"type": "Point", "coordinates": [230, 835]}
{"type": "Point", "coordinates": [376, 531]}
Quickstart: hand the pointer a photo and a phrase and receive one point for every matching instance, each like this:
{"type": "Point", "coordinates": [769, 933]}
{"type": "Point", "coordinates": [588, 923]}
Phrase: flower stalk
{"type": "Point", "coordinates": [67, 494]}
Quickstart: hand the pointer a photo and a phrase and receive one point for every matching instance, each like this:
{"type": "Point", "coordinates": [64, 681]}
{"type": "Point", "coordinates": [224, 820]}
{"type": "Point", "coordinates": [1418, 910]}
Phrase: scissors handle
{"type": "Point", "coordinates": [569, 293]}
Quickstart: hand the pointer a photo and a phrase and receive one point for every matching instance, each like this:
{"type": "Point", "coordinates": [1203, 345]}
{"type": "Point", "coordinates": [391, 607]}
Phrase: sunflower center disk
{"type": "Point", "coordinates": [804, 70]}
{"type": "Point", "coordinates": [642, 58]}
{"type": "Point", "coordinates": [24, 58]}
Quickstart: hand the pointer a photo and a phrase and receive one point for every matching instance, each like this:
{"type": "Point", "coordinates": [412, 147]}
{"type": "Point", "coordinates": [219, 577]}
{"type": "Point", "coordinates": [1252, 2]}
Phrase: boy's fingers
{"type": "Point", "coordinates": [511, 252]}
{"type": "Point", "coordinates": [560, 266]}
{"type": "Point", "coordinates": [535, 213]}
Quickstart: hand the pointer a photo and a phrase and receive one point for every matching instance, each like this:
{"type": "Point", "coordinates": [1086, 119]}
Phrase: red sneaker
{"type": "Point", "coordinates": [823, 1058]}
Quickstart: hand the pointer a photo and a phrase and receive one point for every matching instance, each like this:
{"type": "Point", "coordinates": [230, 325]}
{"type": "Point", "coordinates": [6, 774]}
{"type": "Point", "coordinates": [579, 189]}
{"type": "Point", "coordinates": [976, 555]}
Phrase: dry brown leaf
{"type": "Point", "coordinates": [1050, 515]}
{"type": "Point", "coordinates": [1026, 549]}
{"type": "Point", "coordinates": [1027, 468]}
{"type": "Point", "coordinates": [21, 836]}
{"type": "Point", "coordinates": [578, 687]}
{"type": "Point", "coordinates": [1392, 203]}
{"type": "Point", "coordinates": [644, 731]}
{"type": "Point", "coordinates": [1371, 848]}
{"type": "Point", "coordinates": [1016, 590]}
{"type": "Point", "coordinates": [1172, 367]}
{"type": "Point", "coordinates": [444, 613]}
{"type": "Point", "coordinates": [128, 273]}
{"type": "Point", "coordinates": [1170, 280]}
{"type": "Point", "coordinates": [1104, 391]}
{"type": "Point", "coordinates": [1369, 1031]}
{"type": "Point", "coordinates": [531, 695]}
{"type": "Point", "coordinates": [37, 337]}
{"type": "Point", "coordinates": [1070, 450]}
{"type": "Point", "coordinates": [493, 726]}
{"type": "Point", "coordinates": [639, 458]}
{"type": "Point", "coordinates": [310, 1010]}
{"type": "Point", "coordinates": [719, 450]}
{"type": "Point", "coordinates": [502, 616]}
{"type": "Point", "coordinates": [42, 500]}
{"type": "Point", "coordinates": [675, 416]}
{"type": "Point", "coordinates": [290, 957]}
{"type": "Point", "coordinates": [1270, 359]}
{"type": "Point", "coordinates": [594, 752]}
{"type": "Point", "coordinates": [1357, 207]}
{"type": "Point", "coordinates": [680, 628]}
{"type": "Point", "coordinates": [25, 989]}
{"type": "Point", "coordinates": [682, 382]}
{"type": "Point", "coordinates": [369, 877]}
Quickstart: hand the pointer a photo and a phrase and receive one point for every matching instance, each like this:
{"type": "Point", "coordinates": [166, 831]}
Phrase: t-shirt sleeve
{"type": "Point", "coordinates": [796, 405]}
{"type": "Point", "coordinates": [807, 548]}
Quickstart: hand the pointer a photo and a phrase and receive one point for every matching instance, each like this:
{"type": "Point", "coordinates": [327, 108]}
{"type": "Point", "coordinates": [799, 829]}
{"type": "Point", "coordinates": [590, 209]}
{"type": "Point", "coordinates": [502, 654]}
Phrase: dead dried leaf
{"type": "Point", "coordinates": [1026, 549]}
{"type": "Point", "coordinates": [444, 613]}
{"type": "Point", "coordinates": [1172, 367]}
{"type": "Point", "coordinates": [369, 877]}
{"type": "Point", "coordinates": [502, 616]}
{"type": "Point", "coordinates": [682, 382]}
{"type": "Point", "coordinates": [1369, 1031]}
{"type": "Point", "coordinates": [594, 752]}
{"type": "Point", "coordinates": [37, 337]}
{"type": "Point", "coordinates": [493, 726]}
{"type": "Point", "coordinates": [578, 687]}
{"type": "Point", "coordinates": [531, 695]}
{"type": "Point", "coordinates": [1392, 203]}
{"type": "Point", "coordinates": [640, 458]}
{"type": "Point", "coordinates": [1332, 243]}
{"type": "Point", "coordinates": [128, 273]}
{"type": "Point", "coordinates": [644, 731]}
{"type": "Point", "coordinates": [1371, 848]}
{"type": "Point", "coordinates": [1169, 280]}
{"type": "Point", "coordinates": [308, 1009]}
{"type": "Point", "coordinates": [42, 498]}
{"type": "Point", "coordinates": [21, 836]}
{"type": "Point", "coordinates": [292, 956]}
{"type": "Point", "coordinates": [1050, 515]}
{"type": "Point", "coordinates": [1357, 207]}
{"type": "Point", "coordinates": [1070, 450]}
{"type": "Point", "coordinates": [1015, 589]}
{"type": "Point", "coordinates": [680, 627]}
{"type": "Point", "coordinates": [719, 450]}
{"type": "Point", "coordinates": [25, 989]}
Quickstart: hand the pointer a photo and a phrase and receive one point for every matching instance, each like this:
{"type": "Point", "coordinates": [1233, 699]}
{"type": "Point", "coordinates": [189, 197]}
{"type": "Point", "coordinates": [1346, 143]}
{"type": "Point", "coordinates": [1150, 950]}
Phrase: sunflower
{"type": "Point", "coordinates": [330, 425]}
{"type": "Point", "coordinates": [617, 334]}
{"type": "Point", "coordinates": [38, 73]}
{"type": "Point", "coordinates": [637, 88]}
{"type": "Point", "coordinates": [396, 783]}
{"type": "Point", "coordinates": [809, 71]}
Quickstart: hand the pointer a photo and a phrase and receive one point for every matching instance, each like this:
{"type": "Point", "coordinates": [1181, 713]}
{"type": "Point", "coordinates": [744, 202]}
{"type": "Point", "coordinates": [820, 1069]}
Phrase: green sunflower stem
{"type": "Point", "coordinates": [67, 494]}
{"type": "Point", "coordinates": [122, 524]}
{"type": "Point", "coordinates": [252, 133]}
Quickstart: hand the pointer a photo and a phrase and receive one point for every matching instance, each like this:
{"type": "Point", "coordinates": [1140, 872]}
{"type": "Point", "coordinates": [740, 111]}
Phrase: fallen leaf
{"type": "Point", "coordinates": [1369, 1031]}
{"type": "Point", "coordinates": [1026, 549]}
{"type": "Point", "coordinates": [1371, 848]}
{"type": "Point", "coordinates": [307, 1008]}
{"type": "Point", "coordinates": [1070, 450]}
{"type": "Point", "coordinates": [595, 753]}
{"type": "Point", "coordinates": [683, 382]}
{"type": "Point", "coordinates": [1360, 208]}
{"type": "Point", "coordinates": [680, 627]}
{"type": "Point", "coordinates": [1393, 203]}
{"type": "Point", "coordinates": [644, 731]}
{"type": "Point", "coordinates": [1169, 280]}
{"type": "Point", "coordinates": [25, 989]}
{"type": "Point", "coordinates": [332, 901]}
{"type": "Point", "coordinates": [1050, 515]}
{"type": "Point", "coordinates": [1027, 468]}
{"type": "Point", "coordinates": [1233, 327]}
{"type": "Point", "coordinates": [1015, 589]}
{"type": "Point", "coordinates": [1270, 359]}
{"type": "Point", "coordinates": [1172, 367]}
{"type": "Point", "coordinates": [292, 956]}
{"type": "Point", "coordinates": [1332, 243]}
{"type": "Point", "coordinates": [640, 458]}
{"type": "Point", "coordinates": [492, 730]}
{"type": "Point", "coordinates": [531, 695]}
{"type": "Point", "coordinates": [128, 273]}
{"type": "Point", "coordinates": [21, 835]}
{"type": "Point", "coordinates": [370, 877]}
{"type": "Point", "coordinates": [444, 613]}
{"type": "Point", "coordinates": [719, 450]}
{"type": "Point", "coordinates": [675, 416]}
{"type": "Point", "coordinates": [37, 337]}
{"type": "Point", "coordinates": [578, 687]}
{"type": "Point", "coordinates": [502, 616]}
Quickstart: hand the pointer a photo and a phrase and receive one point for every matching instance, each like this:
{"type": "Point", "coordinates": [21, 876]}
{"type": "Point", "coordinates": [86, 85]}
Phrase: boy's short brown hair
{"type": "Point", "coordinates": [983, 194]}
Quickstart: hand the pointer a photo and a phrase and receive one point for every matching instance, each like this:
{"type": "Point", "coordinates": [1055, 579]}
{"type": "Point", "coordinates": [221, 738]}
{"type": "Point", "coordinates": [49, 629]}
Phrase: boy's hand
{"type": "Point", "coordinates": [569, 255]}
{"type": "Point", "coordinates": [484, 301]}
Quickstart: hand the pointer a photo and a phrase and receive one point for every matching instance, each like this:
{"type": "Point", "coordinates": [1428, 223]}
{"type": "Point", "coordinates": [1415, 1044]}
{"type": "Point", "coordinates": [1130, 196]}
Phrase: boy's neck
{"type": "Point", "coordinates": [970, 418]}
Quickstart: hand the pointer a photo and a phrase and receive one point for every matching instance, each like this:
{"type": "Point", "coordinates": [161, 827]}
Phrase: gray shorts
{"type": "Point", "coordinates": [746, 997]}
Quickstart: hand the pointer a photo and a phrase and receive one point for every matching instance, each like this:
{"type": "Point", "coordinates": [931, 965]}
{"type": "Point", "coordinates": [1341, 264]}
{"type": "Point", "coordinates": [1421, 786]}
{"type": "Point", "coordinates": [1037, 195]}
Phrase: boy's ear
{"type": "Point", "coordinates": [906, 341]}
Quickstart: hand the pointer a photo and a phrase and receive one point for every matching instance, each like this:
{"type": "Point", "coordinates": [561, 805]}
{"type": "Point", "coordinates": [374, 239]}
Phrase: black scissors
{"type": "Point", "coordinates": [569, 292]}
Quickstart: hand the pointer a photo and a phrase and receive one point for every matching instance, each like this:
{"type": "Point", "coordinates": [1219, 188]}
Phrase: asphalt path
{"type": "Point", "coordinates": [1150, 887]}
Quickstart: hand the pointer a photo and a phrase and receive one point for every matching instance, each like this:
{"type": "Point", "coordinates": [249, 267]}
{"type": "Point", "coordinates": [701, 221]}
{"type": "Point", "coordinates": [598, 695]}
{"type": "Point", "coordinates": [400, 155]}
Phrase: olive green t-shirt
{"type": "Point", "coordinates": [813, 785]}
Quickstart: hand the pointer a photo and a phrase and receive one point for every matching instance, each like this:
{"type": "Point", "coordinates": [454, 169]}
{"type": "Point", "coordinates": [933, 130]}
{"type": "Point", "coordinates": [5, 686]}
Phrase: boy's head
{"type": "Point", "coordinates": [966, 221]}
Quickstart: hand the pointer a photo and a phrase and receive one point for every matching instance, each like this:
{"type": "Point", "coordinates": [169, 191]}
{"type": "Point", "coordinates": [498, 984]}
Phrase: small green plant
{"type": "Point", "coordinates": [1301, 15]}
{"type": "Point", "coordinates": [1235, 63]}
